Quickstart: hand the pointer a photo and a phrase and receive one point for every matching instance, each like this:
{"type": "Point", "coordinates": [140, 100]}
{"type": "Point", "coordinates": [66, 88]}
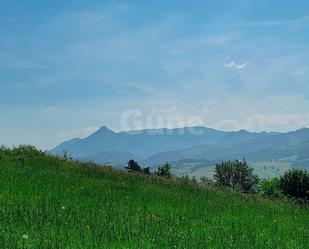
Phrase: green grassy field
{"type": "Point", "coordinates": [46, 202]}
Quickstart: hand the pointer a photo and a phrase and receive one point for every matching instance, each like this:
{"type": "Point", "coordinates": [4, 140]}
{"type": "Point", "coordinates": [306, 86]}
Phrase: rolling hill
{"type": "Point", "coordinates": [51, 202]}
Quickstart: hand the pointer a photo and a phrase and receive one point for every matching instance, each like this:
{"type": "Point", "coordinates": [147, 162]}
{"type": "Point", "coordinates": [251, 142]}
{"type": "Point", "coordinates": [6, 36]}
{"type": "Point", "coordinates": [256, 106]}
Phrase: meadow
{"type": "Point", "coordinates": [52, 202]}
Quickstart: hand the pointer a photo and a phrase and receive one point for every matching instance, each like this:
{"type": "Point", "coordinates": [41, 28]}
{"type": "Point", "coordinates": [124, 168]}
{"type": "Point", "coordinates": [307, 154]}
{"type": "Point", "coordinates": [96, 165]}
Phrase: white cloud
{"type": "Point", "coordinates": [233, 64]}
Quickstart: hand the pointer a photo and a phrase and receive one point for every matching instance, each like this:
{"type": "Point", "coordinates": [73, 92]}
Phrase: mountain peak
{"type": "Point", "coordinates": [104, 129]}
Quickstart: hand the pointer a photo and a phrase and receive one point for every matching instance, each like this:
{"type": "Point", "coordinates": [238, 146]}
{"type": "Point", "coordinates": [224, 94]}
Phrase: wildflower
{"type": "Point", "coordinates": [63, 207]}
{"type": "Point", "coordinates": [25, 236]}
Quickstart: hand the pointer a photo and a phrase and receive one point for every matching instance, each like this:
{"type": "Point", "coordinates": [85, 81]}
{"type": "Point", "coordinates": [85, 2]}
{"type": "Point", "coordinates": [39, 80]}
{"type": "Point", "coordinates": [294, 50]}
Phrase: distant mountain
{"type": "Point", "coordinates": [242, 135]}
{"type": "Point", "coordinates": [141, 142]}
{"type": "Point", "coordinates": [101, 140]}
{"type": "Point", "coordinates": [155, 145]}
{"type": "Point", "coordinates": [267, 147]}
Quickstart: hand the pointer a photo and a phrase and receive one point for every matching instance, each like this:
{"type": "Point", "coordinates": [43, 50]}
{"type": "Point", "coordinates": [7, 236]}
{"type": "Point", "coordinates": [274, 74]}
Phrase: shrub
{"type": "Point", "coordinates": [4, 151]}
{"type": "Point", "coordinates": [295, 184]}
{"type": "Point", "coordinates": [236, 174]}
{"type": "Point", "coordinates": [206, 181]}
{"type": "Point", "coordinates": [271, 188]}
{"type": "Point", "coordinates": [184, 179]}
{"type": "Point", "coordinates": [164, 171]}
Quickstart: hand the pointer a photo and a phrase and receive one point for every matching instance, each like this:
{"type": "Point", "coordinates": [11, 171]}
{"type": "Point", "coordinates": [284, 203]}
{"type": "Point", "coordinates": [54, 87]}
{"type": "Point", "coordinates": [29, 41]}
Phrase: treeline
{"type": "Point", "coordinates": [163, 170]}
{"type": "Point", "coordinates": [239, 176]}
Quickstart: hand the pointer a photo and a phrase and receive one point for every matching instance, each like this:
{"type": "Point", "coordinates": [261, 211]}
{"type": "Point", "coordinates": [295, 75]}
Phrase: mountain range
{"type": "Point", "coordinates": [197, 145]}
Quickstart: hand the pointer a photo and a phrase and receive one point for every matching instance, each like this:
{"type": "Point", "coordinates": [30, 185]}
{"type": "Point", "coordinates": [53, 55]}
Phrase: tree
{"type": "Point", "coordinates": [133, 166]}
{"type": "Point", "coordinates": [146, 171]}
{"type": "Point", "coordinates": [236, 174]}
{"type": "Point", "coordinates": [194, 180]}
{"type": "Point", "coordinates": [295, 184]}
{"type": "Point", "coordinates": [164, 171]}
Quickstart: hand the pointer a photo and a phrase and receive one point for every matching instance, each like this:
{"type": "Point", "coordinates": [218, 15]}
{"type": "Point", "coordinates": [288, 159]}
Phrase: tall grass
{"type": "Point", "coordinates": [50, 202]}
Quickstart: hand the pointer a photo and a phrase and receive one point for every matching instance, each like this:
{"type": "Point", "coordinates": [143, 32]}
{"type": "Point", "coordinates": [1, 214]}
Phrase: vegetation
{"type": "Point", "coordinates": [54, 202]}
{"type": "Point", "coordinates": [271, 188]}
{"type": "Point", "coordinates": [164, 171]}
{"type": "Point", "coordinates": [295, 184]}
{"type": "Point", "coordinates": [237, 175]}
{"type": "Point", "coordinates": [146, 171]}
{"type": "Point", "coordinates": [133, 166]}
{"type": "Point", "coordinates": [205, 180]}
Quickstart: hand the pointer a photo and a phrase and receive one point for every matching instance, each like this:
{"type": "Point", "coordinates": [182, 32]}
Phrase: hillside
{"type": "Point", "coordinates": [49, 202]}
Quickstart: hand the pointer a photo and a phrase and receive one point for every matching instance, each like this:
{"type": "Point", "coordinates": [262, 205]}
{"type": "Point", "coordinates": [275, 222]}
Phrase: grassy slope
{"type": "Point", "coordinates": [61, 204]}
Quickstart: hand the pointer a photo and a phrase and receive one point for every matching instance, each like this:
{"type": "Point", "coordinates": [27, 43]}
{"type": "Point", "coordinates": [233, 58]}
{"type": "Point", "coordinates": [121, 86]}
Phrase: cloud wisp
{"type": "Point", "coordinates": [233, 64]}
{"type": "Point", "coordinates": [274, 23]}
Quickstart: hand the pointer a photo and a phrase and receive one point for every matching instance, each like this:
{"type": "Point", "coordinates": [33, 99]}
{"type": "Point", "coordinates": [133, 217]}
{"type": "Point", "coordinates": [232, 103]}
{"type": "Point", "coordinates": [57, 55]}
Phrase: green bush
{"type": "Point", "coordinates": [271, 188]}
{"type": "Point", "coordinates": [237, 175]}
{"type": "Point", "coordinates": [295, 184]}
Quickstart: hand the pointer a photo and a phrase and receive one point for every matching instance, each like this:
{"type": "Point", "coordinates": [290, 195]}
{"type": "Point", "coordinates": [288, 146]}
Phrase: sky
{"type": "Point", "coordinates": [70, 67]}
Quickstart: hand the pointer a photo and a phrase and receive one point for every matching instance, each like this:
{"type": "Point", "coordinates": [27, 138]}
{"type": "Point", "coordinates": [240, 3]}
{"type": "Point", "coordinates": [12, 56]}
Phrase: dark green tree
{"type": "Point", "coordinates": [295, 184]}
{"type": "Point", "coordinates": [133, 166]}
{"type": "Point", "coordinates": [236, 174]}
{"type": "Point", "coordinates": [164, 171]}
{"type": "Point", "coordinates": [146, 170]}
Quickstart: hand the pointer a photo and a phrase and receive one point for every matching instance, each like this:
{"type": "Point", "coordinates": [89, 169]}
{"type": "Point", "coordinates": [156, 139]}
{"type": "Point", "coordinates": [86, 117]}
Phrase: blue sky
{"type": "Point", "coordinates": [69, 67]}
